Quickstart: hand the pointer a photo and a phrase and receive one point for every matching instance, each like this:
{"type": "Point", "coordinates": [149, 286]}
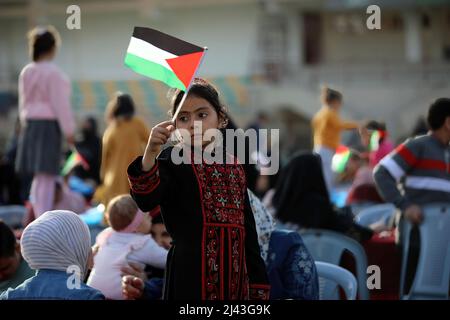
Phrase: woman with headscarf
{"type": "Point", "coordinates": [301, 198]}
{"type": "Point", "coordinates": [290, 267]}
{"type": "Point", "coordinates": [57, 246]}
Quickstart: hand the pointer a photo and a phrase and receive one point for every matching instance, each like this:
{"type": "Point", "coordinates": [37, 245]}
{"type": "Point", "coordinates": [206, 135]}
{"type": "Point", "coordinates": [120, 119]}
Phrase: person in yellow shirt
{"type": "Point", "coordinates": [124, 139]}
{"type": "Point", "coordinates": [327, 127]}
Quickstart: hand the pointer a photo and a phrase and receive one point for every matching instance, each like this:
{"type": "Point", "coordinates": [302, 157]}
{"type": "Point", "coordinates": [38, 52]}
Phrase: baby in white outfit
{"type": "Point", "coordinates": [127, 239]}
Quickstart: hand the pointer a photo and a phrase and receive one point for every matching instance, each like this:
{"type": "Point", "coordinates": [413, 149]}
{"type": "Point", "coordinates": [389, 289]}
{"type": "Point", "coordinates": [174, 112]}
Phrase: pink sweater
{"type": "Point", "coordinates": [384, 149]}
{"type": "Point", "coordinates": [44, 94]}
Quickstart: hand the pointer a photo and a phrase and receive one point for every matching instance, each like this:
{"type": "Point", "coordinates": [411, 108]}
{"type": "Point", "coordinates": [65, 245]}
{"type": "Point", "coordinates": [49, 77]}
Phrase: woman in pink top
{"type": "Point", "coordinates": [46, 117]}
{"type": "Point", "coordinates": [376, 138]}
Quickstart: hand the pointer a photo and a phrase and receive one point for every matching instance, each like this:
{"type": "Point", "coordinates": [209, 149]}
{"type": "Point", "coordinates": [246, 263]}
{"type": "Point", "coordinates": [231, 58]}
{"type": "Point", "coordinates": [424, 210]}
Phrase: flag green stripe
{"type": "Point", "coordinates": [153, 70]}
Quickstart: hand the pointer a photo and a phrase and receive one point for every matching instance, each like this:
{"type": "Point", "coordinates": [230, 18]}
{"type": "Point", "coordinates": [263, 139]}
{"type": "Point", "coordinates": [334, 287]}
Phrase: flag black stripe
{"type": "Point", "coordinates": [165, 42]}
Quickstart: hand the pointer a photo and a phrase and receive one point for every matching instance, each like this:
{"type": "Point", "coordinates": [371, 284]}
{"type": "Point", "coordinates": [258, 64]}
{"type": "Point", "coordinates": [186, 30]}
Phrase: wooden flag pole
{"type": "Point", "coordinates": [177, 111]}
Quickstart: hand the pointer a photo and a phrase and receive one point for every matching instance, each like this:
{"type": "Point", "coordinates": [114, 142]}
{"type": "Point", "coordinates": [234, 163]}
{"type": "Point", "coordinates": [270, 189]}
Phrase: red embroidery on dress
{"type": "Point", "coordinates": [259, 292]}
{"type": "Point", "coordinates": [235, 269]}
{"type": "Point", "coordinates": [144, 184]}
{"type": "Point", "coordinates": [222, 287]}
{"type": "Point", "coordinates": [222, 191]}
{"type": "Point", "coordinates": [212, 254]}
{"type": "Point", "coordinates": [245, 281]}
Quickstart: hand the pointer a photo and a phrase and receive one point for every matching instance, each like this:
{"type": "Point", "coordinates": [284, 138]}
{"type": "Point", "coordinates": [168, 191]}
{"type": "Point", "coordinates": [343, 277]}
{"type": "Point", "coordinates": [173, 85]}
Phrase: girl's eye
{"type": "Point", "coordinates": [183, 119]}
{"type": "Point", "coordinates": [202, 115]}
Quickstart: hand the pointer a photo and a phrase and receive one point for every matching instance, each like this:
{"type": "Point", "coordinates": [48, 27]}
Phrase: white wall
{"type": "Point", "coordinates": [371, 46]}
{"type": "Point", "coordinates": [96, 51]}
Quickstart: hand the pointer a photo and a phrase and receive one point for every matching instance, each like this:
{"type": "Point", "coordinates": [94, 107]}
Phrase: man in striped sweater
{"type": "Point", "coordinates": [421, 166]}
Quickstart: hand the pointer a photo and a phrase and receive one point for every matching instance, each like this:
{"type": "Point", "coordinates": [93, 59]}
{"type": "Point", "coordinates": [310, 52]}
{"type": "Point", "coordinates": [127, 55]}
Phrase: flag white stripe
{"type": "Point", "coordinates": [149, 52]}
{"type": "Point", "coordinates": [428, 183]}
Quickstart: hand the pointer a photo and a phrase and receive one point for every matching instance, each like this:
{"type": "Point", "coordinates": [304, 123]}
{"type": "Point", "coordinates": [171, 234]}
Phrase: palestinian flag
{"type": "Point", "coordinates": [162, 57]}
{"type": "Point", "coordinates": [375, 138]}
{"type": "Point", "coordinates": [340, 159]}
{"type": "Point", "coordinates": [374, 143]}
{"type": "Point", "coordinates": [72, 161]}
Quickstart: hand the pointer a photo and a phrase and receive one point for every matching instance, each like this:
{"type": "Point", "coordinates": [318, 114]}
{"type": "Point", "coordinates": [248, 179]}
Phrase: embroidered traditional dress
{"type": "Point", "coordinates": [205, 207]}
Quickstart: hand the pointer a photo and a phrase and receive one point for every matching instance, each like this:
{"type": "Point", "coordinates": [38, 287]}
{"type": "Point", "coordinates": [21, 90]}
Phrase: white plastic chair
{"type": "Point", "coordinates": [344, 278]}
{"type": "Point", "coordinates": [375, 213]}
{"type": "Point", "coordinates": [328, 246]}
{"type": "Point", "coordinates": [360, 206]}
{"type": "Point", "coordinates": [431, 280]}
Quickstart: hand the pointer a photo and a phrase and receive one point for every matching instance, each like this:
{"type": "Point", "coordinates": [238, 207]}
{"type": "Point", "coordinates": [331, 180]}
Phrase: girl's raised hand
{"type": "Point", "coordinates": [158, 137]}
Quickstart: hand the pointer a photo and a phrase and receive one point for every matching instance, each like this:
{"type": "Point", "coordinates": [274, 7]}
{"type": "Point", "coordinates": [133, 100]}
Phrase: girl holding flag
{"type": "Point", "coordinates": [205, 207]}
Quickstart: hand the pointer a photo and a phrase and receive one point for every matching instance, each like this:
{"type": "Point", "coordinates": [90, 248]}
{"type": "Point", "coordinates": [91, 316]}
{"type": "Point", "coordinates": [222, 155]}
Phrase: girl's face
{"type": "Point", "coordinates": [365, 136]}
{"type": "Point", "coordinates": [336, 104]}
{"type": "Point", "coordinates": [196, 109]}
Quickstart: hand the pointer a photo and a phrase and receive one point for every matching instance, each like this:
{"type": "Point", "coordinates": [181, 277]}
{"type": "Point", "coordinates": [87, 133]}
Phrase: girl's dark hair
{"type": "Point", "coordinates": [205, 90]}
{"type": "Point", "coordinates": [121, 106]}
{"type": "Point", "coordinates": [329, 95]}
{"type": "Point", "coordinates": [375, 125]}
{"type": "Point", "coordinates": [7, 241]}
{"type": "Point", "coordinates": [42, 40]}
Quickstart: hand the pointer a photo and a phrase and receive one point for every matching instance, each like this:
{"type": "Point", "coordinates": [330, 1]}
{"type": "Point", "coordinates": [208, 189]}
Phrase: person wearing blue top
{"type": "Point", "coordinates": [58, 246]}
{"type": "Point", "coordinates": [50, 284]}
{"type": "Point", "coordinates": [290, 267]}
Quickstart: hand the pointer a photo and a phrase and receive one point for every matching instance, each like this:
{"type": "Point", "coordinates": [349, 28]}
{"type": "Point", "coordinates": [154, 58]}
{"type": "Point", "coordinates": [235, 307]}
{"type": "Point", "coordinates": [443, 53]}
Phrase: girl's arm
{"type": "Point", "coordinates": [348, 125]}
{"type": "Point", "coordinates": [259, 282]}
{"type": "Point", "coordinates": [150, 178]}
{"type": "Point", "coordinates": [149, 188]}
{"type": "Point", "coordinates": [336, 121]}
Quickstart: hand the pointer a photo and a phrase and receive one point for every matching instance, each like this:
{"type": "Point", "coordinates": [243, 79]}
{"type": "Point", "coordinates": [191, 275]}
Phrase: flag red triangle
{"type": "Point", "coordinates": [184, 66]}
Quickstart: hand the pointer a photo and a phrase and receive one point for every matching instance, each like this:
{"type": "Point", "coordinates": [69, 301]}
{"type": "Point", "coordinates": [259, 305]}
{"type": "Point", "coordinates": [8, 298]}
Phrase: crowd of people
{"type": "Point", "coordinates": [201, 231]}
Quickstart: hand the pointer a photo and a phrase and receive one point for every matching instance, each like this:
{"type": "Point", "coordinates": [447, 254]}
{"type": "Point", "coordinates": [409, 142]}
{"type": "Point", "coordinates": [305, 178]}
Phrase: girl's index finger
{"type": "Point", "coordinates": [165, 124]}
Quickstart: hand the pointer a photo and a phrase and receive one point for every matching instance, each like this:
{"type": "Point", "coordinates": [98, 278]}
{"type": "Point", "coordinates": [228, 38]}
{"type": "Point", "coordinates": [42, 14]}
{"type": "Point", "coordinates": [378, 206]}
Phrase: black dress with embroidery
{"type": "Point", "coordinates": [215, 252]}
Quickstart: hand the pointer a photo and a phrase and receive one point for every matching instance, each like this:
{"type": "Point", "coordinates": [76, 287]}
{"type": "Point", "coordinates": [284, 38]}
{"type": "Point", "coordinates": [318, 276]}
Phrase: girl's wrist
{"type": "Point", "coordinates": [148, 161]}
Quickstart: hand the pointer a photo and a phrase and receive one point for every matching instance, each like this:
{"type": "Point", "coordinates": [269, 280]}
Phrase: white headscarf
{"type": "Point", "coordinates": [56, 240]}
{"type": "Point", "coordinates": [264, 223]}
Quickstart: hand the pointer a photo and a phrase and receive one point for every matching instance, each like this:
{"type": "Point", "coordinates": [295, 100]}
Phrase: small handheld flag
{"type": "Point", "coordinates": [340, 159]}
{"type": "Point", "coordinates": [162, 57]}
{"type": "Point", "coordinates": [73, 160]}
{"type": "Point", "coordinates": [375, 138]}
